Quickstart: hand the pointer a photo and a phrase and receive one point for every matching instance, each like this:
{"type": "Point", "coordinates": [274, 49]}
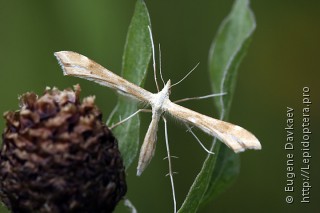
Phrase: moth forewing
{"type": "Point", "coordinates": [75, 64]}
{"type": "Point", "coordinates": [149, 144]}
{"type": "Point", "coordinates": [235, 137]}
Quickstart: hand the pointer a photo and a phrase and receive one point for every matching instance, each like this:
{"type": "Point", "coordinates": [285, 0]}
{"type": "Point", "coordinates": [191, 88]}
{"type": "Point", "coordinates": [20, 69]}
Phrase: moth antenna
{"type": "Point", "coordinates": [170, 165]}
{"type": "Point", "coordinates": [160, 67]}
{"type": "Point", "coordinates": [200, 97]}
{"type": "Point", "coordinates": [128, 118]}
{"type": "Point", "coordinates": [185, 75]}
{"type": "Point", "coordinates": [153, 59]}
{"type": "Point", "coordinates": [201, 144]}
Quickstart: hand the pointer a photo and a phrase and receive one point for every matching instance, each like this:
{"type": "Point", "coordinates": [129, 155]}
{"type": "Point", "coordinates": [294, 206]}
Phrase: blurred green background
{"type": "Point", "coordinates": [283, 57]}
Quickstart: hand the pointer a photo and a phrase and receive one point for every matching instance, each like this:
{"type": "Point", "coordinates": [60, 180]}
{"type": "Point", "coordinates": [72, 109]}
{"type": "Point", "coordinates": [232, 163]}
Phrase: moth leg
{"type": "Point", "coordinates": [200, 97]}
{"type": "Point", "coordinates": [129, 117]}
{"type": "Point", "coordinates": [170, 165]}
{"type": "Point", "coordinates": [201, 144]}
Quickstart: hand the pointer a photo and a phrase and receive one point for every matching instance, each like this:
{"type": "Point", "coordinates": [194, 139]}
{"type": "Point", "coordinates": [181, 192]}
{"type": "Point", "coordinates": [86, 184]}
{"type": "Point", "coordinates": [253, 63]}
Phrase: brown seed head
{"type": "Point", "coordinates": [58, 156]}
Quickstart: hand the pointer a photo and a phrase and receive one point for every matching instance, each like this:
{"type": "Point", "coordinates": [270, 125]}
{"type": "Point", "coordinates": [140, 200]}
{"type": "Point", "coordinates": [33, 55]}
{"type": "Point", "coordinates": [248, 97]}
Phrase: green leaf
{"type": "Point", "coordinates": [135, 61]}
{"type": "Point", "coordinates": [228, 50]}
{"type": "Point", "coordinates": [226, 53]}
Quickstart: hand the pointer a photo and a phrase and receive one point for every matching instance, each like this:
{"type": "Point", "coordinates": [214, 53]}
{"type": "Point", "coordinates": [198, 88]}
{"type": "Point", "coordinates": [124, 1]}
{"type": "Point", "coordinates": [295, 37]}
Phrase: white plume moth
{"type": "Point", "coordinates": [235, 137]}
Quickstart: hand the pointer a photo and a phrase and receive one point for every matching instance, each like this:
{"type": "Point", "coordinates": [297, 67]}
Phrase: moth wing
{"type": "Point", "coordinates": [78, 65]}
{"type": "Point", "coordinates": [149, 145]}
{"type": "Point", "coordinates": [235, 137]}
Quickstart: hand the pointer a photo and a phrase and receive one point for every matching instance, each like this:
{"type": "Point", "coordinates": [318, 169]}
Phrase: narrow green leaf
{"type": "Point", "coordinates": [135, 61]}
{"type": "Point", "coordinates": [228, 50]}
{"type": "Point", "coordinates": [226, 53]}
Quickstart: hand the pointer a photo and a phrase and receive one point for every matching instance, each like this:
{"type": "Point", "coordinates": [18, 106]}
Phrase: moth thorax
{"type": "Point", "coordinates": [159, 98]}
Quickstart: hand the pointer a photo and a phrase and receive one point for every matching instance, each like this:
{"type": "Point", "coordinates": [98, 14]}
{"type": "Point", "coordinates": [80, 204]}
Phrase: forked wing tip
{"type": "Point", "coordinates": [239, 139]}
{"type": "Point", "coordinates": [254, 145]}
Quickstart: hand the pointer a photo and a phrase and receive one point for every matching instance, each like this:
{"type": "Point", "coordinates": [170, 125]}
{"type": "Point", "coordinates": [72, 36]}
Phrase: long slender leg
{"type": "Point", "coordinates": [170, 165]}
{"type": "Point", "coordinates": [201, 144]}
{"type": "Point", "coordinates": [129, 117]}
{"type": "Point", "coordinates": [128, 204]}
{"type": "Point", "coordinates": [200, 97]}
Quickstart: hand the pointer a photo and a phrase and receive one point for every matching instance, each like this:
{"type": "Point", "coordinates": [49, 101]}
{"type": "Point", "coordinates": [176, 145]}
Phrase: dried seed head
{"type": "Point", "coordinates": [57, 156]}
